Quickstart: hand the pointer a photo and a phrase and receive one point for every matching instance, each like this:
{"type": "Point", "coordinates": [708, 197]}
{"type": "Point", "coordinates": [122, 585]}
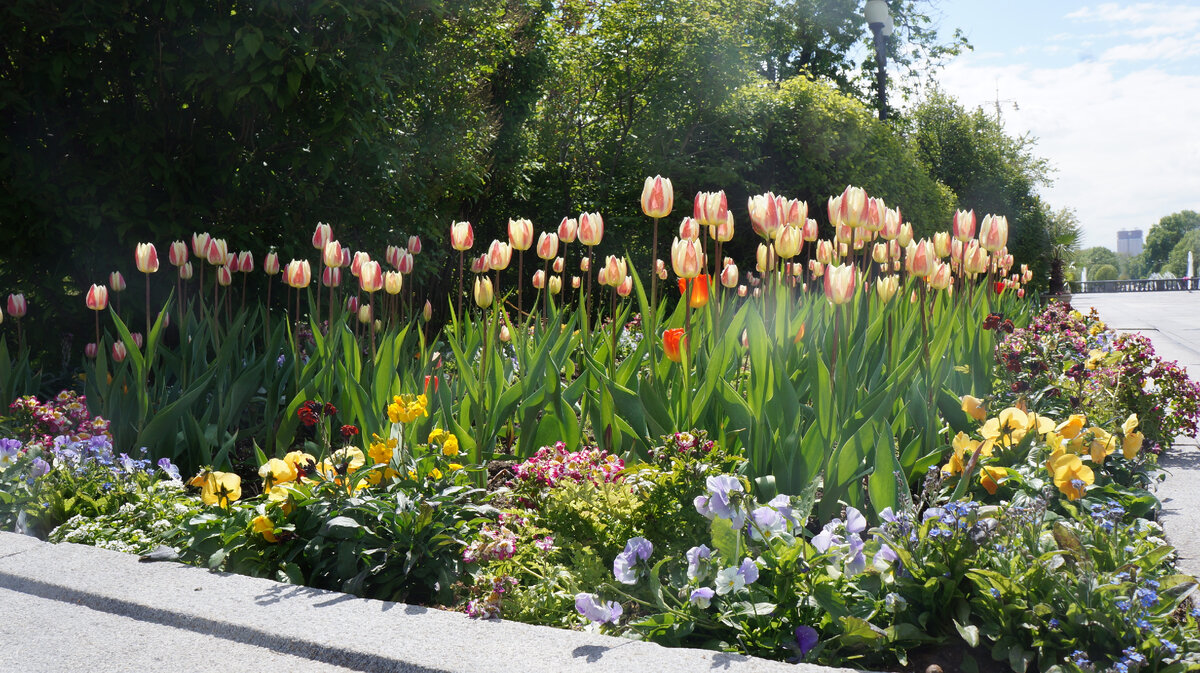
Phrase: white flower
{"type": "Point", "coordinates": [730, 580]}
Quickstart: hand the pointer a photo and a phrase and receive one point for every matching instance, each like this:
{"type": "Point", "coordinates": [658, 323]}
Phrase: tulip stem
{"type": "Point", "coordinates": [147, 316]}
{"type": "Point", "coordinates": [653, 322]}
{"type": "Point", "coordinates": [925, 344]}
{"type": "Point", "coordinates": [546, 290]}
{"type": "Point", "coordinates": [687, 358]}
{"type": "Point", "coordinates": [520, 283]}
{"type": "Point", "coordinates": [612, 365]}
{"type": "Point", "coordinates": [98, 344]}
{"type": "Point", "coordinates": [461, 257]}
{"type": "Point", "coordinates": [370, 325]}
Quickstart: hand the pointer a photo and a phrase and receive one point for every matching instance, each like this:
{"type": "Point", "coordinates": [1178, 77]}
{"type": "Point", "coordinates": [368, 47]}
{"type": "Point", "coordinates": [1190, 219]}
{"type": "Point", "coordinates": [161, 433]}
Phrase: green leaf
{"type": "Point", "coordinates": [725, 539]}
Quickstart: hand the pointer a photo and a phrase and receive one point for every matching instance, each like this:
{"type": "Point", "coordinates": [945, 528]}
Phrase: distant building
{"type": "Point", "coordinates": [1129, 242]}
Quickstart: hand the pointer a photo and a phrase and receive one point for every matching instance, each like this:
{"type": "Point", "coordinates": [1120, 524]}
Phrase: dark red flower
{"type": "Point", "coordinates": [308, 413]}
{"type": "Point", "coordinates": [330, 410]}
{"type": "Point", "coordinates": [349, 431]}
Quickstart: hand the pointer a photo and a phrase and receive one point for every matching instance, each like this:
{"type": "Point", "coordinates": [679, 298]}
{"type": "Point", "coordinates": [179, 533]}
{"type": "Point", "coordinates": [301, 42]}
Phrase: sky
{"type": "Point", "coordinates": [1110, 90]}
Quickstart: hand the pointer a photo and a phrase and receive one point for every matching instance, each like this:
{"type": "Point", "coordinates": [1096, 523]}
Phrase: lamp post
{"type": "Point", "coordinates": [880, 21]}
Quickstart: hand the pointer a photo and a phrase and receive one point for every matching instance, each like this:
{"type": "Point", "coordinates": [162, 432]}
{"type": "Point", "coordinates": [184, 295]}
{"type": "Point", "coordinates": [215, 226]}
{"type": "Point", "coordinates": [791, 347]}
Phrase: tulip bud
{"type": "Point", "coordinates": [483, 291]}
{"type": "Point", "coordinates": [352, 305]}
{"type": "Point", "coordinates": [941, 244]}
{"type": "Point", "coordinates": [119, 352]}
{"type": "Point", "coordinates": [625, 286]}
{"type": "Point", "coordinates": [602, 276]}
{"type": "Point", "coordinates": [854, 207]}
{"type": "Point", "coordinates": [886, 287]}
{"type": "Point", "coordinates": [406, 262]}
{"type": "Point", "coordinates": [840, 282]}
{"type": "Point", "coordinates": [758, 292]}
{"type": "Point", "coordinates": [795, 214]}
{"type": "Point", "coordinates": [658, 197]}
{"type": "Point", "coordinates": [539, 279]}
{"type": "Point", "coordinates": [559, 265]}
{"type": "Point", "coordinates": [427, 312]}
{"type": "Point", "coordinates": [298, 273]}
{"type": "Point", "coordinates": [479, 264]}
{"type": "Point", "coordinates": [90, 351]}
{"type": "Point", "coordinates": [555, 284]}
{"type": "Point", "coordinates": [809, 233]}
{"type": "Point", "coordinates": [322, 235]}
{"type": "Point", "coordinates": [816, 268]}
{"type": "Point", "coordinates": [356, 263]}
{"type": "Point", "coordinates": [17, 306]}
{"type": "Point", "coordinates": [687, 257]}
{"type": "Point", "coordinates": [615, 270]}
{"type": "Point", "coordinates": [547, 246]}
{"type": "Point", "coordinates": [788, 242]}
{"type": "Point", "coordinates": [963, 225]}
{"type": "Point", "coordinates": [97, 298]}
{"type": "Point", "coordinates": [346, 258]}
{"type": "Point", "coordinates": [217, 250]}
{"type": "Point", "coordinates": [723, 230]}
{"type": "Point", "coordinates": [231, 260]}
{"type": "Point", "coordinates": [224, 276]}
{"type": "Point", "coordinates": [879, 253]}
{"type": "Point", "coordinates": [567, 229]}
{"type": "Point", "coordinates": [178, 253]}
{"type": "Point", "coordinates": [462, 236]}
{"type": "Point", "coordinates": [993, 232]}
{"type": "Point", "coordinates": [905, 236]}
{"type": "Point", "coordinates": [146, 257]}
{"type": "Point", "coordinates": [245, 262]}
{"type": "Point", "coordinates": [392, 255]}
{"type": "Point", "coordinates": [332, 254]}
{"type": "Point", "coordinates": [185, 271]}
{"type": "Point", "coordinates": [729, 276]}
{"type": "Point", "coordinates": [764, 257]}
{"type": "Point", "coordinates": [520, 234]}
{"type": "Point", "coordinates": [414, 245]}
{"type": "Point", "coordinates": [116, 282]}
{"type": "Point", "coordinates": [764, 214]}
{"type": "Point", "coordinates": [364, 313]}
{"type": "Point", "coordinates": [689, 229]}
{"type": "Point", "coordinates": [742, 290]}
{"type": "Point", "coordinates": [956, 251]}
{"type": "Point", "coordinates": [498, 255]}
{"type": "Point", "coordinates": [575, 281]}
{"type": "Point", "coordinates": [921, 259]}
{"type": "Point", "coordinates": [393, 281]}
{"type": "Point", "coordinates": [370, 276]}
{"type": "Point", "coordinates": [505, 335]}
{"type": "Point", "coordinates": [1021, 293]}
{"type": "Point", "coordinates": [844, 234]}
{"type": "Point", "coordinates": [874, 214]}
{"type": "Point", "coordinates": [200, 245]}
{"type": "Point", "coordinates": [825, 252]}
{"type": "Point", "coordinates": [137, 339]}
{"type": "Point", "coordinates": [585, 264]}
{"type": "Point", "coordinates": [591, 229]}
{"type": "Point", "coordinates": [331, 276]}
{"type": "Point", "coordinates": [941, 278]}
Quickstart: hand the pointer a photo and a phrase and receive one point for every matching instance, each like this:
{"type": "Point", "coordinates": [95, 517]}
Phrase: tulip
{"type": "Point", "coordinates": [520, 234]}
{"type": "Point", "coordinates": [547, 246]}
{"type": "Point", "coordinates": [844, 234]}
{"type": "Point", "coordinates": [891, 224]}
{"type": "Point", "coordinates": [940, 279]}
{"type": "Point", "coordinates": [427, 312]}
{"type": "Point", "coordinates": [625, 286]}
{"type": "Point", "coordinates": [591, 229]}
{"type": "Point", "coordinates": [742, 290]}
{"type": "Point", "coordinates": [723, 231]}
{"type": "Point", "coordinates": [764, 214]}
{"type": "Point", "coordinates": [886, 287]}
{"type": "Point", "coordinates": [539, 279]}
{"type": "Point", "coordinates": [483, 291]}
{"type": "Point", "coordinates": [824, 252]}
{"type": "Point", "coordinates": [406, 262]}
{"type": "Point", "coordinates": [879, 253]}
{"type": "Point", "coordinates": [602, 276]}
{"type": "Point", "coordinates": [479, 264]}
{"type": "Point", "coordinates": [185, 271]}
{"type": "Point", "coordinates": [905, 235]}
{"type": "Point", "coordinates": [956, 251]}
{"type": "Point", "coordinates": [555, 284]}
{"type": "Point", "coordinates": [658, 197]}
{"type": "Point", "coordinates": [795, 214]}
{"type": "Point", "coordinates": [116, 282]}
{"type": "Point", "coordinates": [414, 245]}
{"type": "Point", "coordinates": [712, 210]}
{"type": "Point", "coordinates": [505, 334]}
{"type": "Point", "coordinates": [97, 298]}
{"type": "Point", "coordinates": [672, 339]}
{"type": "Point", "coordinates": [352, 305]}
{"type": "Point", "coordinates": [921, 259]}
{"type": "Point", "coordinates": [993, 232]}
{"type": "Point", "coordinates": [146, 257]}
{"type": "Point", "coordinates": [356, 263]}
{"type": "Point", "coordinates": [137, 339]}
{"type": "Point", "coordinates": [298, 273]}
{"type": "Point", "coordinates": [392, 255]}
{"type": "Point", "coordinates": [575, 282]}
{"type": "Point", "coordinates": [839, 283]}
{"type": "Point", "coordinates": [364, 313]}
{"type": "Point", "coordinates": [687, 258]}
{"type": "Point", "coordinates": [230, 259]}
{"type": "Point", "coordinates": [462, 236]}
{"type": "Point", "coordinates": [271, 263]}
{"type": "Point", "coordinates": [567, 229]}
{"type": "Point", "coordinates": [200, 245]}
{"type": "Point", "coordinates": [322, 235]}
{"type": "Point", "coordinates": [788, 242]}
{"type": "Point", "coordinates": [975, 259]}
{"type": "Point", "coordinates": [90, 351]}
{"type": "Point", "coordinates": [809, 232]}
{"type": "Point", "coordinates": [498, 255]}
{"type": "Point", "coordinates": [698, 297]}
{"type": "Point", "coordinates": [875, 214]}
{"type": "Point", "coordinates": [177, 254]}
{"type": "Point", "coordinates": [615, 270]}
{"type": "Point", "coordinates": [585, 264]}
{"type": "Point", "coordinates": [854, 206]}
{"type": "Point", "coordinates": [332, 254]}
{"type": "Point", "coordinates": [217, 250]}
{"type": "Point", "coordinates": [894, 250]}
{"type": "Point", "coordinates": [346, 258]}
{"type": "Point", "coordinates": [689, 229]}
{"type": "Point", "coordinates": [119, 352]}
{"type": "Point", "coordinates": [245, 262]}
{"type": "Point", "coordinates": [729, 276]}
{"type": "Point", "coordinates": [393, 281]}
{"type": "Point", "coordinates": [370, 276]}
{"type": "Point", "coordinates": [816, 268]}
{"type": "Point", "coordinates": [764, 257]}
{"type": "Point", "coordinates": [941, 244]}
{"type": "Point", "coordinates": [963, 225]}
{"type": "Point", "coordinates": [17, 306]}
{"type": "Point", "coordinates": [224, 276]}
{"type": "Point", "coordinates": [660, 269]}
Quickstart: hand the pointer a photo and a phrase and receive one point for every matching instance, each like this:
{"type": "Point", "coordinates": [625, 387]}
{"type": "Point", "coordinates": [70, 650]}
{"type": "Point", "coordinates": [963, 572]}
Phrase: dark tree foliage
{"type": "Point", "coordinates": [1165, 235]}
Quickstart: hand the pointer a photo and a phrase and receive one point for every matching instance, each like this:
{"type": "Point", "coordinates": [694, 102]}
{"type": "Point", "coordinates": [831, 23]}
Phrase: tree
{"type": "Point", "coordinates": [1093, 257]}
{"type": "Point", "coordinates": [1177, 260]}
{"type": "Point", "coordinates": [1165, 234]}
{"type": "Point", "coordinates": [1064, 233]}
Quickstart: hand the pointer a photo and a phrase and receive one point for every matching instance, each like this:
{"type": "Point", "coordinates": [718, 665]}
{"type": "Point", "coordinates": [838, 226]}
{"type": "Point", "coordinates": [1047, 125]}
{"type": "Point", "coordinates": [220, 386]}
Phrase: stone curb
{"type": "Point", "coordinates": [332, 628]}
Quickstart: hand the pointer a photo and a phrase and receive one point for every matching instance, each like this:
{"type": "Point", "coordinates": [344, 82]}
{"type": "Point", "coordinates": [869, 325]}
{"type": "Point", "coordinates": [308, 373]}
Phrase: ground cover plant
{"type": "Point", "coordinates": [868, 449]}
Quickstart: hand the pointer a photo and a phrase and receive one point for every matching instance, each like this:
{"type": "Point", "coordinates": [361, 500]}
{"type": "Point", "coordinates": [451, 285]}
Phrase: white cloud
{"type": "Point", "coordinates": [1126, 144]}
{"type": "Point", "coordinates": [1165, 49]}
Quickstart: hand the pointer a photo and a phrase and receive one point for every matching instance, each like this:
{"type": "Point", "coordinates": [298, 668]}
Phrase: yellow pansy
{"type": "Point", "coordinates": [1009, 427]}
{"type": "Point", "coordinates": [303, 463]}
{"type": "Point", "coordinates": [1132, 444]}
{"type": "Point", "coordinates": [1094, 358]}
{"type": "Point", "coordinates": [282, 495]}
{"type": "Point", "coordinates": [1102, 445]}
{"type": "Point", "coordinates": [1071, 476]}
{"type": "Point", "coordinates": [1070, 428]}
{"type": "Point", "coordinates": [1039, 424]}
{"type": "Point", "coordinates": [1130, 424]}
{"type": "Point", "coordinates": [221, 488]}
{"type": "Point", "coordinates": [262, 525]}
{"type": "Point", "coordinates": [963, 448]}
{"type": "Point", "coordinates": [406, 408]}
{"type": "Point", "coordinates": [990, 477]}
{"type": "Point", "coordinates": [973, 406]}
{"type": "Point", "coordinates": [276, 471]}
{"type": "Point", "coordinates": [342, 462]}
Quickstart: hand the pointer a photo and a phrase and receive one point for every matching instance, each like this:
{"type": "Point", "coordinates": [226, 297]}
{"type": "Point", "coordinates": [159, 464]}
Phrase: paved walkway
{"type": "Point", "coordinates": [1171, 320]}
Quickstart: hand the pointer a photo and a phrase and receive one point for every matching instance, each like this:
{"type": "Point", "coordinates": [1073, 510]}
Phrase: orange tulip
{"type": "Point", "coordinates": [699, 294]}
{"type": "Point", "coordinates": [672, 339]}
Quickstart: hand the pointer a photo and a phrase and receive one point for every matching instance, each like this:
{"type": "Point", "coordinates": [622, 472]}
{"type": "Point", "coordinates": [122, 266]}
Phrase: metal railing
{"type": "Point", "coordinates": [1135, 285]}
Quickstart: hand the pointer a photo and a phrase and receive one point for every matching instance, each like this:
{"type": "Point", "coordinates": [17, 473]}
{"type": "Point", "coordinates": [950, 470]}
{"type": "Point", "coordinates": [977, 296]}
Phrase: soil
{"type": "Point", "coordinates": [953, 659]}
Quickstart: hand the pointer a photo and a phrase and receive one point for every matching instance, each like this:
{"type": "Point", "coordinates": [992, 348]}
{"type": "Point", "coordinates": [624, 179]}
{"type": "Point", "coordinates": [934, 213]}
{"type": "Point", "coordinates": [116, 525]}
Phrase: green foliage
{"type": "Point", "coordinates": [138, 526]}
{"type": "Point", "coordinates": [1165, 235]}
{"type": "Point", "coordinates": [601, 516]}
{"type": "Point", "coordinates": [1103, 272]}
{"type": "Point", "coordinates": [1090, 258]}
{"type": "Point", "coordinates": [1177, 261]}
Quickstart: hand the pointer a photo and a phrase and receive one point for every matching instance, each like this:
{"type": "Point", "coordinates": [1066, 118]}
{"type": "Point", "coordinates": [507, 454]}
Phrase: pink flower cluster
{"type": "Point", "coordinates": [552, 464]}
{"type": "Point", "coordinates": [65, 415]}
{"type": "Point", "coordinates": [493, 544]}
{"type": "Point", "coordinates": [489, 597]}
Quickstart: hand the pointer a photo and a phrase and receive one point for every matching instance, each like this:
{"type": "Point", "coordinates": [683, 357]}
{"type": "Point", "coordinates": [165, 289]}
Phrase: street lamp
{"type": "Point", "coordinates": [880, 21]}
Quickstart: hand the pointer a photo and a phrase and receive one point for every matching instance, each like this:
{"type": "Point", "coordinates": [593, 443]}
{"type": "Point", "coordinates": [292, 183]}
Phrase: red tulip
{"type": "Point", "coordinates": [331, 254]}
{"type": "Point", "coordinates": [370, 277]}
{"type": "Point", "coordinates": [298, 273]}
{"type": "Point", "coordinates": [462, 236]}
{"type": "Point", "coordinates": [200, 244]}
{"type": "Point", "coordinates": [963, 225]}
{"type": "Point", "coordinates": [90, 351]}
{"type": "Point", "coordinates": [547, 246]}
{"type": "Point", "coordinates": [406, 262]}
{"type": "Point", "coordinates": [245, 261]}
{"type": "Point", "coordinates": [224, 276]}
{"type": "Point", "coordinates": [322, 235]}
{"type": "Point", "coordinates": [185, 271]}
{"type": "Point", "coordinates": [591, 229]}
{"type": "Point", "coordinates": [567, 229]}
{"type": "Point", "coordinates": [271, 263]}
{"type": "Point", "coordinates": [840, 283]}
{"type": "Point", "coordinates": [178, 254]}
{"type": "Point", "coordinates": [16, 305]}
{"type": "Point", "coordinates": [331, 276]}
{"type": "Point", "coordinates": [119, 352]}
{"type": "Point", "coordinates": [414, 245]}
{"type": "Point", "coordinates": [671, 343]}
